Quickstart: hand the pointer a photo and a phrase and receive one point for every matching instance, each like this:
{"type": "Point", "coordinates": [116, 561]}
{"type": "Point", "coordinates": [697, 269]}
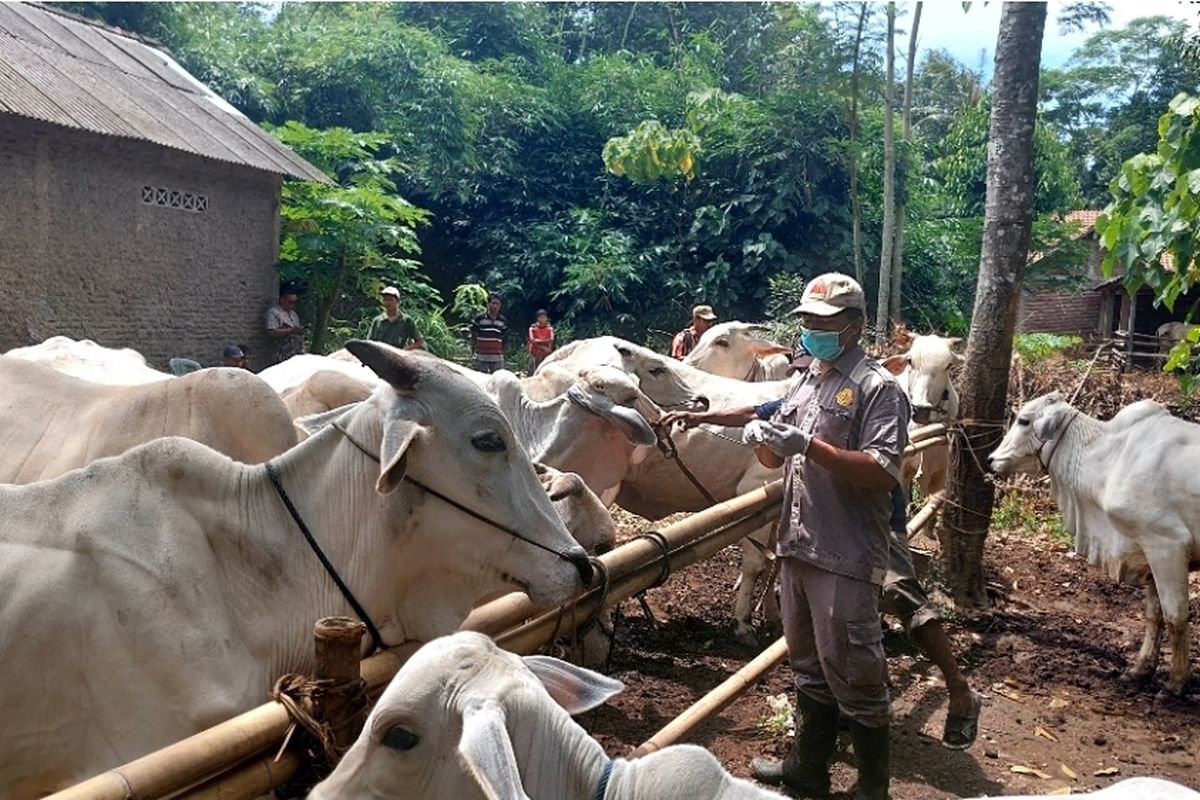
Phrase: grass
{"type": "Point", "coordinates": [1015, 512]}
{"type": "Point", "coordinates": [781, 720]}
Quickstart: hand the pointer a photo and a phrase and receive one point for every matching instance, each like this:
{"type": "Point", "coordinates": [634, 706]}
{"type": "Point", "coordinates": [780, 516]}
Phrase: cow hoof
{"type": "Point", "coordinates": [1175, 688]}
{"type": "Point", "coordinates": [1138, 673]}
{"type": "Point", "coordinates": [746, 636]}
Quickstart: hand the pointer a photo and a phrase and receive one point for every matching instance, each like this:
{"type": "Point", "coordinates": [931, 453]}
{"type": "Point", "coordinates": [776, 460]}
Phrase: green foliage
{"type": "Point", "coordinates": [651, 152]}
{"type": "Point", "coordinates": [348, 239]}
{"type": "Point", "coordinates": [1016, 512]}
{"type": "Point", "coordinates": [1150, 229]}
{"type": "Point", "coordinates": [1035, 347]}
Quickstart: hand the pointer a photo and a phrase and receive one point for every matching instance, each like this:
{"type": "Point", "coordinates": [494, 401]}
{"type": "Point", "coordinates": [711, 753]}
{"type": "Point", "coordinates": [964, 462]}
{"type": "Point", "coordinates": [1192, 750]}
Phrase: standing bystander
{"type": "Point", "coordinates": [283, 325]}
{"type": "Point", "coordinates": [487, 337]}
{"type": "Point", "coordinates": [393, 326]}
{"type": "Point", "coordinates": [687, 339]}
{"type": "Point", "coordinates": [541, 340]}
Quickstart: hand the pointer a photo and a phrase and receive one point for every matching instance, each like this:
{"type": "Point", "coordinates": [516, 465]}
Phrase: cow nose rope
{"type": "Point", "coordinates": [667, 445]}
{"type": "Point", "coordinates": [581, 563]}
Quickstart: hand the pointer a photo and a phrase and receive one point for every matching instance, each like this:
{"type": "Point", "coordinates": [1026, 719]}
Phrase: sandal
{"type": "Point", "coordinates": [960, 732]}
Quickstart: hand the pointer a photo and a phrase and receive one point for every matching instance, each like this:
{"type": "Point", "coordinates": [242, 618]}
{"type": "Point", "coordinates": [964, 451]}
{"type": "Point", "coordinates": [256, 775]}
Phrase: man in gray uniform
{"type": "Point", "coordinates": [839, 433]}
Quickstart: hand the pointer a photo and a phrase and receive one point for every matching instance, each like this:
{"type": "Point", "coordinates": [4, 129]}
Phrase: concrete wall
{"type": "Point", "coordinates": [82, 254]}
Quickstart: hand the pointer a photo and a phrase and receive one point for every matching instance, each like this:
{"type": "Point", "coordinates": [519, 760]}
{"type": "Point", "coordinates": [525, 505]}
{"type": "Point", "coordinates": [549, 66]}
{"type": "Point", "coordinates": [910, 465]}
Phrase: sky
{"type": "Point", "coordinates": [971, 35]}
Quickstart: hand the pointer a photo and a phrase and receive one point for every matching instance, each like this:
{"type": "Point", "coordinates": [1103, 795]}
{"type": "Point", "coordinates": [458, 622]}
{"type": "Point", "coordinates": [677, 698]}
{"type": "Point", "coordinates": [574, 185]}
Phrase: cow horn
{"type": "Point", "coordinates": [387, 362]}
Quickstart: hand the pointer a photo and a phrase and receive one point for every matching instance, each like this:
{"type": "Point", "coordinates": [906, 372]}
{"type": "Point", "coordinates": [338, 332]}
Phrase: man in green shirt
{"type": "Point", "coordinates": [393, 327]}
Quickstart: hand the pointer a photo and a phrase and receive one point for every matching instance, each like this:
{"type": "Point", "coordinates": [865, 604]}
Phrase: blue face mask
{"type": "Point", "coordinates": [822, 345]}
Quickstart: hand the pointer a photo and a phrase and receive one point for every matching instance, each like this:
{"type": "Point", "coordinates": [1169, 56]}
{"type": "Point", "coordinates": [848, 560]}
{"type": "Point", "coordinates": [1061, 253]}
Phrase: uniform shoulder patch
{"type": "Point", "coordinates": [844, 397]}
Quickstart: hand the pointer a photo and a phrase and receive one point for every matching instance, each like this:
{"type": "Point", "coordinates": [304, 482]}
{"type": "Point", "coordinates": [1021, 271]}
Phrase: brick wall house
{"type": "Point", "coordinates": [1074, 303]}
{"type": "Point", "coordinates": [138, 209]}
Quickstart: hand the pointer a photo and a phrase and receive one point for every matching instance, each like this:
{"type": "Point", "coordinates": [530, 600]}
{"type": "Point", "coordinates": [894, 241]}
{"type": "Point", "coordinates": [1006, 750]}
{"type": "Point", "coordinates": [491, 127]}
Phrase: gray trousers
{"type": "Point", "coordinates": [903, 596]}
{"type": "Point", "coordinates": [835, 644]}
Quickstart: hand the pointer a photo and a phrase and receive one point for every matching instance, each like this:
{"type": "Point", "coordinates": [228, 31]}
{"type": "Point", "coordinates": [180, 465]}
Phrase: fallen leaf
{"type": "Point", "coordinates": [1038, 730]}
{"type": "Point", "coordinates": [1021, 769]}
{"type": "Point", "coordinates": [1060, 791]}
{"type": "Point", "coordinates": [1000, 690]}
{"type": "Point", "coordinates": [1109, 712]}
{"type": "Point", "coordinates": [1070, 773]}
{"type": "Point", "coordinates": [1009, 680]}
{"type": "Point", "coordinates": [1107, 772]}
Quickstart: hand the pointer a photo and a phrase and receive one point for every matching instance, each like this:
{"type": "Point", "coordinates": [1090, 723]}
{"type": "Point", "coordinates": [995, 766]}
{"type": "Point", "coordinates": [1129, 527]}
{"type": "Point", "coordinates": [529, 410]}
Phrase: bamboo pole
{"type": "Point", "coordinates": [716, 700]}
{"type": "Point", "coordinates": [925, 444]}
{"type": "Point", "coordinates": [926, 432]}
{"type": "Point", "coordinates": [927, 513]}
{"type": "Point", "coordinates": [219, 750]}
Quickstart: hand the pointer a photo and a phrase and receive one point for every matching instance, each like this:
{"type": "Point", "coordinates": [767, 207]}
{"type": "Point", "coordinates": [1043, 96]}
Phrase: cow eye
{"type": "Point", "coordinates": [656, 371]}
{"type": "Point", "coordinates": [400, 738]}
{"type": "Point", "coordinates": [722, 343]}
{"type": "Point", "coordinates": [1022, 421]}
{"type": "Point", "coordinates": [488, 442]}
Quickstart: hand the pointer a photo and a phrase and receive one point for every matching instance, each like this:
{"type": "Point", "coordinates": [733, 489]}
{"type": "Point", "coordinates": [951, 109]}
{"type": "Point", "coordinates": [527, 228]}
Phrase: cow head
{"type": "Point", "coordinates": [731, 349]}
{"type": "Point", "coordinates": [492, 525]}
{"type": "Point", "coordinates": [581, 510]}
{"type": "Point", "coordinates": [463, 720]}
{"type": "Point", "coordinates": [1039, 422]}
{"type": "Point", "coordinates": [924, 374]}
{"type": "Point", "coordinates": [614, 396]}
{"type": "Point", "coordinates": [658, 377]}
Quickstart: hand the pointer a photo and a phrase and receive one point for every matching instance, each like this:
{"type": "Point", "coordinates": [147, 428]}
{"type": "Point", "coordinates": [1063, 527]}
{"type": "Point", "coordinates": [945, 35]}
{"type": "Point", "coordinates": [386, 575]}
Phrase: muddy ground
{"type": "Point", "coordinates": [1047, 656]}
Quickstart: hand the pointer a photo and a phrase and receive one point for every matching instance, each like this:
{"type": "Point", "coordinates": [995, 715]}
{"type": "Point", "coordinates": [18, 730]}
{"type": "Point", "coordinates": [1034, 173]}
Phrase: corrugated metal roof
{"type": "Point", "coordinates": [60, 69]}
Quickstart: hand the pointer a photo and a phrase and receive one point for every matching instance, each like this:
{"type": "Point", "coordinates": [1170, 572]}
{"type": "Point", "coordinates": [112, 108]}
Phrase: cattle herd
{"type": "Point", "coordinates": [167, 542]}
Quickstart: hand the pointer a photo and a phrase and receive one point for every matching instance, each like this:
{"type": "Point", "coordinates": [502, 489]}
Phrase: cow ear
{"type": "Point", "coordinates": [564, 485]}
{"type": "Point", "coordinates": [486, 750]}
{"type": "Point", "coordinates": [312, 423]}
{"type": "Point", "coordinates": [394, 366]}
{"type": "Point", "coordinates": [574, 688]}
{"type": "Point", "coordinates": [896, 364]}
{"type": "Point", "coordinates": [771, 349]}
{"type": "Point", "coordinates": [1046, 426]}
{"type": "Point", "coordinates": [398, 436]}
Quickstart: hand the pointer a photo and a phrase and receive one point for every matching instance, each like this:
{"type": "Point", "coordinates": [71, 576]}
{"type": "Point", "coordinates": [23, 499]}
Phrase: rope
{"type": "Point", "coordinates": [297, 693]}
{"type": "Point", "coordinates": [663, 545]}
{"type": "Point", "coordinates": [667, 445]}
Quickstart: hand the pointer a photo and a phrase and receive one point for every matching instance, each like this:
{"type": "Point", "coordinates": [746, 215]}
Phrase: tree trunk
{"type": "Point", "coordinates": [889, 183]}
{"type": "Point", "coordinates": [1007, 219]}
{"type": "Point", "coordinates": [324, 308]}
{"type": "Point", "coordinates": [852, 118]}
{"type": "Point", "coordinates": [905, 167]}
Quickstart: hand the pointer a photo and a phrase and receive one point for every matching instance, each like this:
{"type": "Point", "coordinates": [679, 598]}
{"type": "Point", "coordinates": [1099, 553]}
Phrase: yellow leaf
{"type": "Point", "coordinates": [685, 164]}
{"type": "Point", "coordinates": [1013, 682]}
{"type": "Point", "coordinates": [1038, 730]}
{"type": "Point", "coordinates": [1107, 772]}
{"type": "Point", "coordinates": [1070, 773]}
{"type": "Point", "coordinates": [1021, 769]}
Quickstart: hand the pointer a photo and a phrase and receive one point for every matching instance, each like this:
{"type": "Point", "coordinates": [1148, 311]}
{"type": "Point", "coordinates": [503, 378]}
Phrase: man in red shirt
{"type": "Point", "coordinates": [541, 340]}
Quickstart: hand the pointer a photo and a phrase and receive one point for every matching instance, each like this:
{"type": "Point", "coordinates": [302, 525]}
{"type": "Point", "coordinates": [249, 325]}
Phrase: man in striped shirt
{"type": "Point", "coordinates": [487, 337]}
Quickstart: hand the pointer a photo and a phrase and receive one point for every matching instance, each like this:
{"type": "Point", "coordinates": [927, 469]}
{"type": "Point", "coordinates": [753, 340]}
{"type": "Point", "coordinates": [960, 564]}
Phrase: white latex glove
{"type": "Point", "coordinates": [781, 439]}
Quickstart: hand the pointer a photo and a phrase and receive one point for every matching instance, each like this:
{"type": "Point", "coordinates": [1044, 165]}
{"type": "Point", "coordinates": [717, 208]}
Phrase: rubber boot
{"type": "Point", "coordinates": [871, 751]}
{"type": "Point", "coordinates": [805, 770]}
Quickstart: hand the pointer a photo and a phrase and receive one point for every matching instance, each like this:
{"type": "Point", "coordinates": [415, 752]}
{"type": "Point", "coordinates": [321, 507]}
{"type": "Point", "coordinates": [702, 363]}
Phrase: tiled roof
{"type": "Point", "coordinates": [62, 69]}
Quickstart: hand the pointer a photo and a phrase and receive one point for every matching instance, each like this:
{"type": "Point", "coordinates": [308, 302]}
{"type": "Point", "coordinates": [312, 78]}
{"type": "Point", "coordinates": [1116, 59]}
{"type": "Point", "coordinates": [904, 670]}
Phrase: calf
{"type": "Point", "coordinates": [465, 720]}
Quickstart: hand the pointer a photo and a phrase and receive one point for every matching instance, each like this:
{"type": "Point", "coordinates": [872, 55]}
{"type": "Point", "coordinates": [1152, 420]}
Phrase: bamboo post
{"type": "Point", "coordinates": [219, 753]}
{"type": "Point", "coordinates": [924, 444]}
{"type": "Point", "coordinates": [338, 648]}
{"type": "Point", "coordinates": [927, 513]}
{"type": "Point", "coordinates": [716, 700]}
{"type": "Point", "coordinates": [929, 431]}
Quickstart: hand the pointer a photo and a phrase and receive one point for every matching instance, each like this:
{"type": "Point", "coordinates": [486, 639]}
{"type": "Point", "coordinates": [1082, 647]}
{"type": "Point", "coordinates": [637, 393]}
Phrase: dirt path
{"type": "Point", "coordinates": [1048, 657]}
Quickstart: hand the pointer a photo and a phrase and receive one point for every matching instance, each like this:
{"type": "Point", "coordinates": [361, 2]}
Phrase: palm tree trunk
{"type": "Point", "coordinates": [1007, 219]}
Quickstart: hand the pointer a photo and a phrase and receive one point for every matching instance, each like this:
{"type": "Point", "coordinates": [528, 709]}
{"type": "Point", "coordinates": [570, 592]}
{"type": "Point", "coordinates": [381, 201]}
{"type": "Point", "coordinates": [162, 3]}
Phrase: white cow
{"type": "Point", "coordinates": [1132, 789]}
{"type": "Point", "coordinates": [737, 350]}
{"type": "Point", "coordinates": [1129, 491]}
{"type": "Point", "coordinates": [656, 486]}
{"type": "Point", "coordinates": [325, 390]}
{"type": "Point", "coordinates": [924, 375]}
{"type": "Point", "coordinates": [296, 370]}
{"type": "Point", "coordinates": [591, 429]}
{"type": "Point", "coordinates": [169, 587]}
{"type": "Point", "coordinates": [465, 720]}
{"type": "Point", "coordinates": [91, 362]}
{"type": "Point", "coordinates": [51, 423]}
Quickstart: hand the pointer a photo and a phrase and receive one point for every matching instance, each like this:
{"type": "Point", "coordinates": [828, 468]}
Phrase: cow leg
{"type": "Point", "coordinates": [1147, 658]}
{"type": "Point", "coordinates": [754, 563]}
{"type": "Point", "coordinates": [1170, 573]}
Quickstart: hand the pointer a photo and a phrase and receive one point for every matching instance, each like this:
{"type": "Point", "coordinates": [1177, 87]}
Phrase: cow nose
{"type": "Point", "coordinates": [582, 563]}
{"type": "Point", "coordinates": [700, 403]}
{"type": "Point", "coordinates": [921, 414]}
